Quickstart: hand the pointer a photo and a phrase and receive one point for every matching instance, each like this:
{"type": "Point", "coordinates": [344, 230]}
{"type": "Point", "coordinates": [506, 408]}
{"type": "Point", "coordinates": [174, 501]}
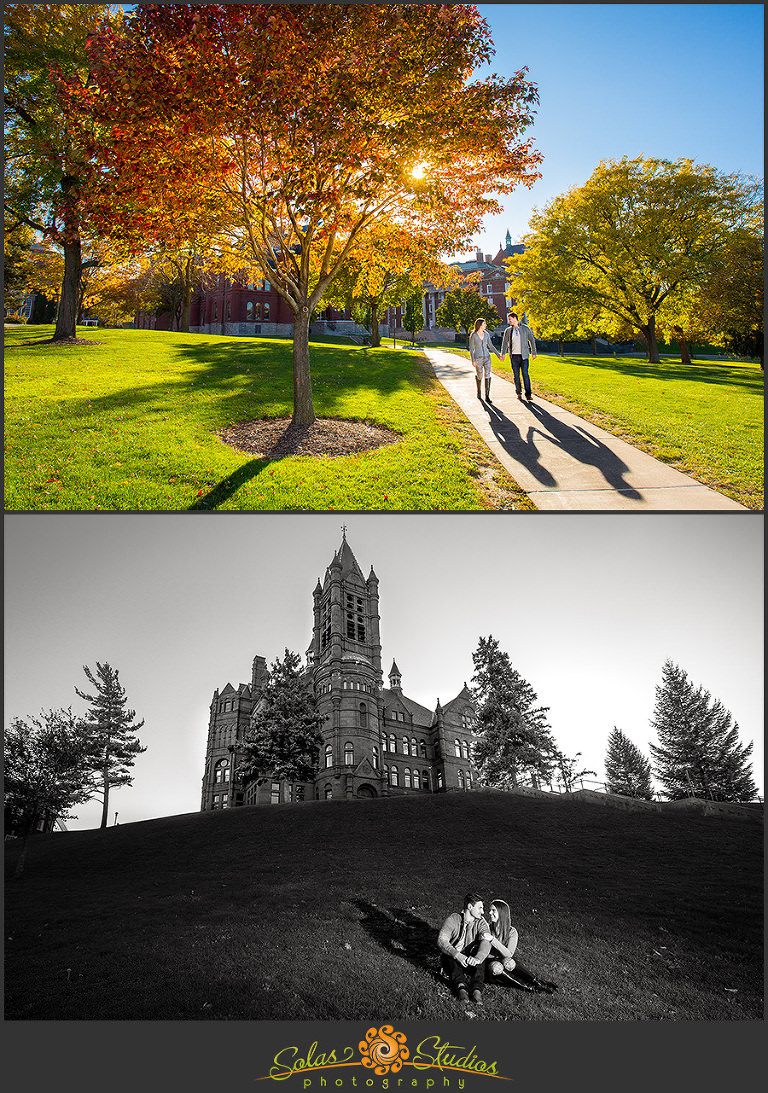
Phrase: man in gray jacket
{"type": "Point", "coordinates": [464, 943]}
{"type": "Point", "coordinates": [519, 342]}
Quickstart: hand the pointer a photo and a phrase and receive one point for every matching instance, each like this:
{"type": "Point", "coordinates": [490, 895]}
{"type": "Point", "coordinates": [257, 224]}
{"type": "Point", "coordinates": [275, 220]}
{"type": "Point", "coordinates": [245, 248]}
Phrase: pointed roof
{"type": "Point", "coordinates": [394, 670]}
{"type": "Point", "coordinates": [464, 696]}
{"type": "Point", "coordinates": [347, 561]}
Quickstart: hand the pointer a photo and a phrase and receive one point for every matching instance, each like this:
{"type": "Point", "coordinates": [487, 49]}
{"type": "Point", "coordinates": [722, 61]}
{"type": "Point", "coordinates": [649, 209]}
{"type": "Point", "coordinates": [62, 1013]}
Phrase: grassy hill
{"type": "Point", "coordinates": [330, 910]}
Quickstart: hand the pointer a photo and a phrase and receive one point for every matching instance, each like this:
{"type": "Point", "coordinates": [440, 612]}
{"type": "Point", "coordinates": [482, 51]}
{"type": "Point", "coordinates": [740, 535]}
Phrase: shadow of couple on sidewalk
{"type": "Point", "coordinates": [575, 442]}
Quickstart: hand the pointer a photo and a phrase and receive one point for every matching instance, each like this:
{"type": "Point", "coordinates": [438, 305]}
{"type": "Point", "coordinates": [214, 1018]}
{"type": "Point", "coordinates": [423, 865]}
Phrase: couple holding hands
{"type": "Point", "coordinates": [518, 341]}
{"type": "Point", "coordinates": [474, 950]}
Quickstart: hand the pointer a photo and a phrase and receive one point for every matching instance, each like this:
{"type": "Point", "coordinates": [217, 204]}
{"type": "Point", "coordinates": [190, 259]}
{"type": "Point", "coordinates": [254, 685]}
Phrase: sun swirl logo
{"type": "Point", "coordinates": [384, 1050]}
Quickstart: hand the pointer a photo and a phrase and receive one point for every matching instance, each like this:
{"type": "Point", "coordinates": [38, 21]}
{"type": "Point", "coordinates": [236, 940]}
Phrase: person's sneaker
{"type": "Point", "coordinates": [463, 995]}
{"type": "Point", "coordinates": [520, 397]}
{"type": "Point", "coordinates": [477, 998]}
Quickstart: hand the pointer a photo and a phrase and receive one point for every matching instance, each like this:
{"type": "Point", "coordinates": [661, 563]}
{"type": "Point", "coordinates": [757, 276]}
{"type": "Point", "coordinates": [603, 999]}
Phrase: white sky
{"type": "Point", "coordinates": [588, 607]}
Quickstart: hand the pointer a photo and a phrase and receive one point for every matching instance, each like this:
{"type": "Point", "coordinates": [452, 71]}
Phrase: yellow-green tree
{"type": "Point", "coordinates": [622, 250]}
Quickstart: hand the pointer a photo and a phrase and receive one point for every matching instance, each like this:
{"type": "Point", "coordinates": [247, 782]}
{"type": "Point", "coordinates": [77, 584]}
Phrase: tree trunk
{"type": "Point", "coordinates": [66, 320]}
{"type": "Point", "coordinates": [685, 356]}
{"type": "Point", "coordinates": [105, 808]}
{"type": "Point", "coordinates": [562, 352]}
{"type": "Point", "coordinates": [186, 305]}
{"type": "Point", "coordinates": [375, 332]}
{"type": "Point", "coordinates": [651, 345]}
{"type": "Point", "coordinates": [303, 410]}
{"type": "Point", "coordinates": [594, 347]}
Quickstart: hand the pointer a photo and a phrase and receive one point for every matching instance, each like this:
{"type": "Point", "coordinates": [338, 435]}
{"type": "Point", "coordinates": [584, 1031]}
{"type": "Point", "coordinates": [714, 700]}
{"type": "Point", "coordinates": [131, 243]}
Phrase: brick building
{"type": "Point", "coordinates": [377, 742]}
{"type": "Point", "coordinates": [494, 286]}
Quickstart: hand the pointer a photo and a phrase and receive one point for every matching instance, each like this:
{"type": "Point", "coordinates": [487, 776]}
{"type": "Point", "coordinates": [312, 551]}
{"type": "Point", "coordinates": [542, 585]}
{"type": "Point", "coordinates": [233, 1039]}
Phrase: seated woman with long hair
{"type": "Point", "coordinates": [501, 964]}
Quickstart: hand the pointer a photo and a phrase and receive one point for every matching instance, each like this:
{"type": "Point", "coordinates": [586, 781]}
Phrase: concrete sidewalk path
{"type": "Point", "coordinates": [563, 462]}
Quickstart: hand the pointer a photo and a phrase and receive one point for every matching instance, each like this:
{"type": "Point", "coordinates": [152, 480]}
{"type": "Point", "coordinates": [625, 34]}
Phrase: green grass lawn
{"type": "Point", "coordinates": [131, 424]}
{"type": "Point", "coordinates": [330, 910]}
{"type": "Point", "coordinates": [705, 419]}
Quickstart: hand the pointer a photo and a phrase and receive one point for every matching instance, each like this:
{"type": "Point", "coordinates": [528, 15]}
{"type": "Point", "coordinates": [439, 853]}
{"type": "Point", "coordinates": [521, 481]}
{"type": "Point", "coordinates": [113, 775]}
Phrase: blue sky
{"type": "Point", "coordinates": [664, 80]}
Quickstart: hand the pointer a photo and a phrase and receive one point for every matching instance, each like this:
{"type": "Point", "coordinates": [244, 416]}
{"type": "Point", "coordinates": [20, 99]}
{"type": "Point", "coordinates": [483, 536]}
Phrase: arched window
{"type": "Point", "coordinates": [221, 773]}
{"type": "Point", "coordinates": [406, 746]}
{"type": "Point", "coordinates": [328, 755]}
{"type": "Point", "coordinates": [425, 779]}
{"type": "Point", "coordinates": [249, 311]}
{"type": "Point", "coordinates": [375, 757]}
{"type": "Point", "coordinates": [363, 716]}
{"type": "Point", "coordinates": [465, 750]}
{"type": "Point", "coordinates": [407, 778]}
{"type": "Point", "coordinates": [328, 791]}
{"type": "Point", "coordinates": [393, 776]}
{"type": "Point", "coordinates": [265, 312]}
{"type": "Point", "coordinates": [469, 780]}
{"type": "Point", "coordinates": [414, 747]}
{"type": "Point", "coordinates": [423, 750]}
{"type": "Point", "coordinates": [457, 749]}
{"type": "Point", "coordinates": [383, 741]}
{"type": "Point", "coordinates": [461, 779]}
{"type": "Point", "coordinates": [439, 779]}
{"type": "Point", "coordinates": [349, 754]}
{"type": "Point", "coordinates": [392, 742]}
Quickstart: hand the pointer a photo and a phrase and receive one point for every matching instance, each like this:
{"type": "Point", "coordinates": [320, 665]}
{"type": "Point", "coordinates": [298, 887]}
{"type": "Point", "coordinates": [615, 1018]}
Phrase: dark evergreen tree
{"type": "Point", "coordinates": [698, 753]}
{"type": "Point", "coordinates": [514, 742]}
{"type": "Point", "coordinates": [114, 745]}
{"type": "Point", "coordinates": [47, 772]}
{"type": "Point", "coordinates": [627, 771]}
{"type": "Point", "coordinates": [284, 737]}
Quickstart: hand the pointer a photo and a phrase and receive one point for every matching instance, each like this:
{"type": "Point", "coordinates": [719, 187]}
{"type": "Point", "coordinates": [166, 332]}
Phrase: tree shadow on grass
{"type": "Point", "coordinates": [229, 486]}
{"type": "Point", "coordinates": [402, 933]}
{"type": "Point", "coordinates": [717, 373]}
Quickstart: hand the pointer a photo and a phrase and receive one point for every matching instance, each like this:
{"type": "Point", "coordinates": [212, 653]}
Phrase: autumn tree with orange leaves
{"type": "Point", "coordinates": [307, 126]}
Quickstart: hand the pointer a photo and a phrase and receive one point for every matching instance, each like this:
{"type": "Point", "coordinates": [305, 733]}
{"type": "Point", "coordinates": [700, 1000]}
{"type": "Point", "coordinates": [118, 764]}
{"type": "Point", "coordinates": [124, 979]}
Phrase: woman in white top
{"type": "Point", "coordinates": [480, 348]}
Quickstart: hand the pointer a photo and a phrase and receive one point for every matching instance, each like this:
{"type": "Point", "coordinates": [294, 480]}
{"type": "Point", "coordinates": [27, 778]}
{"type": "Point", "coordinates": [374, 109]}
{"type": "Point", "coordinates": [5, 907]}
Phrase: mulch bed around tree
{"type": "Point", "coordinates": [62, 341]}
{"type": "Point", "coordinates": [272, 438]}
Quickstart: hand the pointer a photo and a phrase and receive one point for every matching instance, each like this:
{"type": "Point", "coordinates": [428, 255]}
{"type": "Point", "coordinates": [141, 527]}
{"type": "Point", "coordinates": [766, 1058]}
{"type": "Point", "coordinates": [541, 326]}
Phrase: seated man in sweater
{"type": "Point", "coordinates": [464, 943]}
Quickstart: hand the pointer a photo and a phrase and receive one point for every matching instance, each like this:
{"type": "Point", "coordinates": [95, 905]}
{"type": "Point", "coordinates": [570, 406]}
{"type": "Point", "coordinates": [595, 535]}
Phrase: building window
{"type": "Point", "coordinates": [461, 779]}
{"type": "Point", "coordinates": [425, 780]}
{"type": "Point", "coordinates": [469, 780]}
{"type": "Point", "coordinates": [393, 776]}
{"type": "Point", "coordinates": [221, 773]}
{"type": "Point", "coordinates": [439, 779]}
{"type": "Point", "coordinates": [229, 309]}
{"type": "Point", "coordinates": [355, 617]}
{"type": "Point", "coordinates": [298, 793]}
{"type": "Point", "coordinates": [249, 310]}
{"type": "Point", "coordinates": [457, 749]}
{"type": "Point", "coordinates": [215, 312]}
{"type": "Point", "coordinates": [328, 791]}
{"type": "Point", "coordinates": [406, 746]}
{"type": "Point", "coordinates": [414, 748]}
{"type": "Point", "coordinates": [392, 742]}
{"type": "Point", "coordinates": [349, 754]}
{"type": "Point", "coordinates": [375, 757]}
{"type": "Point", "coordinates": [265, 312]}
{"type": "Point", "coordinates": [464, 750]}
{"type": "Point", "coordinates": [363, 716]}
{"type": "Point", "coordinates": [329, 755]}
{"type": "Point", "coordinates": [407, 777]}
{"type": "Point", "coordinates": [383, 741]}
{"type": "Point", "coordinates": [275, 794]}
{"type": "Point", "coordinates": [423, 750]}
{"type": "Point", "coordinates": [325, 625]}
{"type": "Point", "coordinates": [220, 800]}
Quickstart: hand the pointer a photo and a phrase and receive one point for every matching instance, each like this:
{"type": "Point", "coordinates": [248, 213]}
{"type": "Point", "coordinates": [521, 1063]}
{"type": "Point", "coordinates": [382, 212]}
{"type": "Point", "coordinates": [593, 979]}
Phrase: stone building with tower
{"type": "Point", "coordinates": [377, 742]}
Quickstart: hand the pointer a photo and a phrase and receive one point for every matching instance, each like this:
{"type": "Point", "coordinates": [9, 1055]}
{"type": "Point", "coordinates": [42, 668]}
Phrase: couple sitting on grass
{"type": "Point", "coordinates": [472, 952]}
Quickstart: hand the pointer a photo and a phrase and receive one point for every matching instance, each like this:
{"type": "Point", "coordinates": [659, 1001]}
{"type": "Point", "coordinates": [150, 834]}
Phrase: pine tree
{"type": "Point", "coordinates": [284, 737]}
{"type": "Point", "coordinates": [627, 771]}
{"type": "Point", "coordinates": [47, 771]}
{"type": "Point", "coordinates": [698, 753]}
{"type": "Point", "coordinates": [114, 743]}
{"type": "Point", "coordinates": [514, 740]}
